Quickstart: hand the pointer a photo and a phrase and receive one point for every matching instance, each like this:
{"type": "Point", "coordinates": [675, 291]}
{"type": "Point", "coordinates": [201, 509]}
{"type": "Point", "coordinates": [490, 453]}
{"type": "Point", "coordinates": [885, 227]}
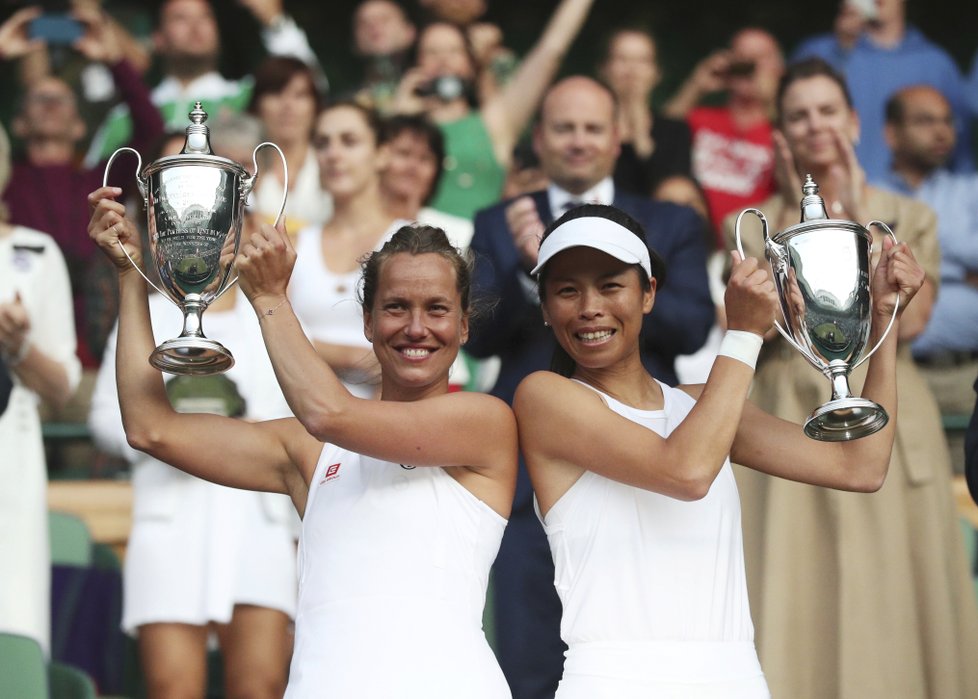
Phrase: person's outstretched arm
{"type": "Point", "coordinates": [254, 456]}
{"type": "Point", "coordinates": [510, 110]}
{"type": "Point", "coordinates": [707, 77]}
{"type": "Point", "coordinates": [566, 429]}
{"type": "Point", "coordinates": [780, 448]}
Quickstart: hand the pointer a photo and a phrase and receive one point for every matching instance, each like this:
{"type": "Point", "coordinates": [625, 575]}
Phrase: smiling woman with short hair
{"type": "Point", "coordinates": [404, 499]}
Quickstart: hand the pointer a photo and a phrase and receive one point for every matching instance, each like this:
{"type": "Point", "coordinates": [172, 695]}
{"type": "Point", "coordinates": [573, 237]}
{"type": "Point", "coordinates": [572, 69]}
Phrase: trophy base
{"type": "Point", "coordinates": [846, 419]}
{"type": "Point", "coordinates": [192, 356]}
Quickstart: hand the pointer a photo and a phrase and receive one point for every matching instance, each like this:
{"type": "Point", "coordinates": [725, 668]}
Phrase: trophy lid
{"type": "Point", "coordinates": [812, 205]}
{"type": "Point", "coordinates": [196, 149]}
{"type": "Point", "coordinates": [198, 133]}
{"type": "Point", "coordinates": [815, 218]}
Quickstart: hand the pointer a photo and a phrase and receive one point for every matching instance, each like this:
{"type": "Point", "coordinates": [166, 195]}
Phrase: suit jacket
{"type": "Point", "coordinates": [508, 322]}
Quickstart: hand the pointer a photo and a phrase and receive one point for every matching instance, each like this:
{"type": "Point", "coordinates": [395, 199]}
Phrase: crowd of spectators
{"type": "Point", "coordinates": [450, 126]}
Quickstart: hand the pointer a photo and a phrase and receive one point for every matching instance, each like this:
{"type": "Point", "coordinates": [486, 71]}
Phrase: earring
{"type": "Point", "coordinates": [546, 324]}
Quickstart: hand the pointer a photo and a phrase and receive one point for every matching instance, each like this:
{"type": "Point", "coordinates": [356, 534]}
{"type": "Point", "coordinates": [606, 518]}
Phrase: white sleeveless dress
{"type": "Point", "coordinates": [393, 568]}
{"type": "Point", "coordinates": [653, 588]}
{"type": "Point", "coordinates": [196, 548]}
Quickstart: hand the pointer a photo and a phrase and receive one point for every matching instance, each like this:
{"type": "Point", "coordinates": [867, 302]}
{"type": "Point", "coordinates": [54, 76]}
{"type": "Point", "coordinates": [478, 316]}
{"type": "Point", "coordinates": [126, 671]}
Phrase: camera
{"type": "Point", "coordinates": [444, 87]}
{"type": "Point", "coordinates": [56, 29]}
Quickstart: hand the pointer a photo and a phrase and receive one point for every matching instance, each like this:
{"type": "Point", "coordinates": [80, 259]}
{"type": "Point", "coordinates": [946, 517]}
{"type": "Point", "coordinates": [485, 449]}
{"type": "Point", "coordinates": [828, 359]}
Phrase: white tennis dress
{"type": "Point", "coordinates": [393, 568]}
{"type": "Point", "coordinates": [653, 588]}
{"type": "Point", "coordinates": [196, 548]}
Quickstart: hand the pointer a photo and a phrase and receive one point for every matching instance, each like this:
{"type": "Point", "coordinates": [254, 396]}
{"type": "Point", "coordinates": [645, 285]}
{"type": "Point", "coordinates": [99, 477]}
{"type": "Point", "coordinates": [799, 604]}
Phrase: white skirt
{"type": "Point", "coordinates": [197, 549]}
{"type": "Point", "coordinates": [665, 670]}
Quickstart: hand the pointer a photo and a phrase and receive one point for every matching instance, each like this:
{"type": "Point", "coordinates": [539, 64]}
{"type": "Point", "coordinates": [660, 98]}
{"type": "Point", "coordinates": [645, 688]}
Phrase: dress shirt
{"type": "Point", "coordinates": [953, 326]}
{"type": "Point", "coordinates": [561, 200]}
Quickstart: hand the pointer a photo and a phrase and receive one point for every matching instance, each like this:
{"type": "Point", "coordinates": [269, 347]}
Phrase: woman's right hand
{"type": "Point", "coordinates": [109, 227]}
{"type": "Point", "coordinates": [751, 298]}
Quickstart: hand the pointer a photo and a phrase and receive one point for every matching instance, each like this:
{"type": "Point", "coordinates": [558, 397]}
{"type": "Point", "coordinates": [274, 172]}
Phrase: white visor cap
{"type": "Point", "coordinates": [598, 233]}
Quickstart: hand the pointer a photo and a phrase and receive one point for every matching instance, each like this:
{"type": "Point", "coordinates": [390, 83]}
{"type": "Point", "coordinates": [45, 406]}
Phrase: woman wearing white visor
{"type": "Point", "coordinates": [633, 479]}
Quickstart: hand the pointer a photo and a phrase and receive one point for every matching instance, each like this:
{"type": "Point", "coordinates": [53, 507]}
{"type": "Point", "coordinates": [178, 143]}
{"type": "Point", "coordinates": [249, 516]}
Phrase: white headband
{"type": "Point", "coordinates": [599, 233]}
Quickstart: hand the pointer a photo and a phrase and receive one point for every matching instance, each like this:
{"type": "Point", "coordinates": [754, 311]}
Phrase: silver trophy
{"type": "Point", "coordinates": [822, 272]}
{"type": "Point", "coordinates": [195, 204]}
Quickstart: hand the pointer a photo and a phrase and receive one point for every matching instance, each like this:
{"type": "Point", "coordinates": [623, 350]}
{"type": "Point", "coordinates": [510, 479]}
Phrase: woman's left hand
{"type": "Point", "coordinates": [264, 263]}
{"type": "Point", "coordinates": [898, 276]}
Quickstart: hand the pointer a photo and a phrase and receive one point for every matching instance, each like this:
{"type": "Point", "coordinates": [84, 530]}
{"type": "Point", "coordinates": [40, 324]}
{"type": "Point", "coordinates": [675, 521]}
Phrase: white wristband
{"type": "Point", "coordinates": [741, 345]}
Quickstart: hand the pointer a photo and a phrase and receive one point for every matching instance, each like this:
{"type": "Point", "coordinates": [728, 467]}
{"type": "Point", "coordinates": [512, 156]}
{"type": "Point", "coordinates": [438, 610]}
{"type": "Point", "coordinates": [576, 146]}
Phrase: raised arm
{"type": "Point", "coordinates": [104, 42]}
{"type": "Point", "coordinates": [274, 456]}
{"type": "Point", "coordinates": [510, 110]}
{"type": "Point", "coordinates": [780, 448]}
{"type": "Point", "coordinates": [281, 36]}
{"type": "Point", "coordinates": [593, 438]}
{"type": "Point", "coordinates": [707, 77]}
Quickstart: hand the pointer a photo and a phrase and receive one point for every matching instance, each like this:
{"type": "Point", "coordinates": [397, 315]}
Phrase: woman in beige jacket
{"type": "Point", "coordinates": [854, 595]}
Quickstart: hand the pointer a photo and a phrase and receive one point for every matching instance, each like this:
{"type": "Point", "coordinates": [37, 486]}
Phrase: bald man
{"type": "Point", "coordinates": [577, 141]}
{"type": "Point", "coordinates": [921, 137]}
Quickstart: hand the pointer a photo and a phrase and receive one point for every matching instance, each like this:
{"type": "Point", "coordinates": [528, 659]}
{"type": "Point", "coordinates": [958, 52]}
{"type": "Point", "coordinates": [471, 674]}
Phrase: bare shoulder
{"type": "Point", "coordinates": [483, 402]}
{"type": "Point", "coordinates": [543, 385]}
{"type": "Point", "coordinates": [475, 413]}
{"type": "Point", "coordinates": [544, 393]}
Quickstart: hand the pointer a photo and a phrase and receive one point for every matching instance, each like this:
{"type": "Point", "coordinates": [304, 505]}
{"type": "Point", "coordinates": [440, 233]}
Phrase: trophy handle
{"type": "Point", "coordinates": [896, 306]}
{"type": "Point", "coordinates": [767, 240]}
{"type": "Point", "coordinates": [141, 183]}
{"type": "Point", "coordinates": [249, 185]}
{"type": "Point", "coordinates": [285, 167]}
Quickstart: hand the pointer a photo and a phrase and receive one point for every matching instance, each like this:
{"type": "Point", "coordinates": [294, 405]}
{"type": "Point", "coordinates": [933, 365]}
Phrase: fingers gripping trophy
{"type": "Point", "coordinates": [821, 268]}
{"type": "Point", "coordinates": [195, 204]}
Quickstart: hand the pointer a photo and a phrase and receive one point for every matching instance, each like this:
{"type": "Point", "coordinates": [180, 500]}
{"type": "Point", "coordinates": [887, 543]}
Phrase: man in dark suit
{"type": "Point", "coordinates": [577, 142]}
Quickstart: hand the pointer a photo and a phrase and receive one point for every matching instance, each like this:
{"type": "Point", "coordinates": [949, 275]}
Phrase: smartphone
{"type": "Point", "coordinates": [56, 29]}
